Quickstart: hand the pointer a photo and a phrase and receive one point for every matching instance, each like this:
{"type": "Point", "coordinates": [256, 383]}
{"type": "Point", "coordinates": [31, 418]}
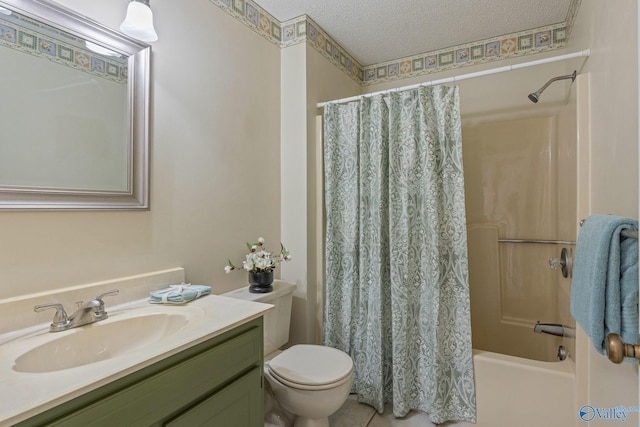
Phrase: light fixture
{"type": "Point", "coordinates": [99, 49]}
{"type": "Point", "coordinates": [139, 21]}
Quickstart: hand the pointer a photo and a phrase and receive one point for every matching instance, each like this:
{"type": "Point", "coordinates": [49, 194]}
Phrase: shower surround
{"type": "Point", "coordinates": [519, 184]}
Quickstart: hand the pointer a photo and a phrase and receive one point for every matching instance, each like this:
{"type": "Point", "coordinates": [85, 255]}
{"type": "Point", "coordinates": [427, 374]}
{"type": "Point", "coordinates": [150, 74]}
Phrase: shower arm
{"type": "Point", "coordinates": [535, 95]}
{"type": "Point", "coordinates": [568, 76]}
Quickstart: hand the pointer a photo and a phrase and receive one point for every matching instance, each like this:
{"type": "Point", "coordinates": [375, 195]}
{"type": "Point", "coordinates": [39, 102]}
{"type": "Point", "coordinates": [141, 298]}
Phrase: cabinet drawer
{"type": "Point", "coordinates": [239, 404]}
{"type": "Point", "coordinates": [170, 391]}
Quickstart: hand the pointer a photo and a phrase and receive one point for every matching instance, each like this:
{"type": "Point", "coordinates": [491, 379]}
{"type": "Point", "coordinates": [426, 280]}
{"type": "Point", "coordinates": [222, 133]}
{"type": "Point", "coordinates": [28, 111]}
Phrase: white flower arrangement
{"type": "Point", "coordinates": [259, 260]}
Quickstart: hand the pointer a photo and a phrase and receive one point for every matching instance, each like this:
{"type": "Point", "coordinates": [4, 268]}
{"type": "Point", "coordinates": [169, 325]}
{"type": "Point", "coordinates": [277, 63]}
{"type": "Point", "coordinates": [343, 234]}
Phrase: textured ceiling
{"type": "Point", "coordinates": [375, 31]}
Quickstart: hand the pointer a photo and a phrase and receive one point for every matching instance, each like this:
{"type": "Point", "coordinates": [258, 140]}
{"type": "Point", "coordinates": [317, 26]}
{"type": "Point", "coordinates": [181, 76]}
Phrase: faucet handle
{"type": "Point", "coordinates": [564, 263]}
{"type": "Point", "coordinates": [556, 263]}
{"type": "Point", "coordinates": [60, 320]}
{"type": "Point", "coordinates": [108, 293]}
{"type": "Point", "coordinates": [99, 311]}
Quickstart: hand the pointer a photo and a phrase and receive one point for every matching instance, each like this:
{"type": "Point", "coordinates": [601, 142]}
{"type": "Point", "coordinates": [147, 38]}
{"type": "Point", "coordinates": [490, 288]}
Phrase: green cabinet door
{"type": "Point", "coordinates": [237, 405]}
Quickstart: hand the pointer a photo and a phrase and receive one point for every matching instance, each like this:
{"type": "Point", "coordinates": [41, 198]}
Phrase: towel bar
{"type": "Point", "coordinates": [626, 233]}
{"type": "Point", "coordinates": [617, 350]}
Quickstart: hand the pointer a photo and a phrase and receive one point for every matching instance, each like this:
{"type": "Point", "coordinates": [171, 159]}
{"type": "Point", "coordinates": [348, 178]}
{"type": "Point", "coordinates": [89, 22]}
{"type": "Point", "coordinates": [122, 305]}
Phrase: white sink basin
{"type": "Point", "coordinates": [101, 340]}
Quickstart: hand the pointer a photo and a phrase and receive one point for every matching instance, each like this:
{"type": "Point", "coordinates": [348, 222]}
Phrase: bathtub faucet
{"type": "Point", "coordinates": [554, 329]}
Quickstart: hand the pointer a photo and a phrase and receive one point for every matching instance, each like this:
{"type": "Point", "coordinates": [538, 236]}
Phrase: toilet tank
{"type": "Point", "coordinates": [276, 321]}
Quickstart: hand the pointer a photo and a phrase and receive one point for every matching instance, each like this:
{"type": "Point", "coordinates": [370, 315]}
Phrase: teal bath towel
{"type": "Point", "coordinates": [179, 294]}
{"type": "Point", "coordinates": [604, 288]}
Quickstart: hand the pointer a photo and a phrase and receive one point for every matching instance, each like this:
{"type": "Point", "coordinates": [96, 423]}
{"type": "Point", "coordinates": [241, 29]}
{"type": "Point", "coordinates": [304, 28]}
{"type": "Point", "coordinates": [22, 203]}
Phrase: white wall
{"type": "Point", "coordinates": [215, 164]}
{"type": "Point", "coordinates": [609, 29]}
{"type": "Point", "coordinates": [293, 188]}
{"type": "Point", "coordinates": [607, 166]}
{"type": "Point", "coordinates": [307, 78]}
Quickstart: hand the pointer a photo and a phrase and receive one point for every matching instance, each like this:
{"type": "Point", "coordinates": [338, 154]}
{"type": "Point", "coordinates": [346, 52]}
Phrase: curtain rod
{"type": "Point", "coordinates": [453, 79]}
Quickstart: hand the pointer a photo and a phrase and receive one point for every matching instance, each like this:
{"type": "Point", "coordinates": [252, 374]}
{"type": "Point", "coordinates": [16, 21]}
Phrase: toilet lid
{"type": "Point", "coordinates": [311, 365]}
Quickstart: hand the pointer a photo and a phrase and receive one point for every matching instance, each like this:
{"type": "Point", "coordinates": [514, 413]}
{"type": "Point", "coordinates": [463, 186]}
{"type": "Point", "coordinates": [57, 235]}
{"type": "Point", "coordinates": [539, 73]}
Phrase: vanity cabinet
{"type": "Point", "coordinates": [215, 383]}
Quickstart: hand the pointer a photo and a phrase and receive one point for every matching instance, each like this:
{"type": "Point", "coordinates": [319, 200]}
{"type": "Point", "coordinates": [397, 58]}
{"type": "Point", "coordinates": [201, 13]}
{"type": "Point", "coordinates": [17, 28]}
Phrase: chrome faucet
{"type": "Point", "coordinates": [87, 312]}
{"type": "Point", "coordinates": [554, 329]}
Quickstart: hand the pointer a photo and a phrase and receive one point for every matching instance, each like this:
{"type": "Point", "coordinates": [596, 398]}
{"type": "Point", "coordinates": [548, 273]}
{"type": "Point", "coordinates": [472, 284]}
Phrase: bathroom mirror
{"type": "Point", "coordinates": [73, 111]}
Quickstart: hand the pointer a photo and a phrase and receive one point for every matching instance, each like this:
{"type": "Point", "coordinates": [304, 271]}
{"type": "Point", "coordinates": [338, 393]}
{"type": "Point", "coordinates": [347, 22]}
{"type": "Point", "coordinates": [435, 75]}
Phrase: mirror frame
{"type": "Point", "coordinates": [136, 196]}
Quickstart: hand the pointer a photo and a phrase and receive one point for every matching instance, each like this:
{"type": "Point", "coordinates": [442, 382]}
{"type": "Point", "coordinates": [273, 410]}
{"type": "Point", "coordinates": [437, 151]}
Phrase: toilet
{"type": "Point", "coordinates": [309, 381]}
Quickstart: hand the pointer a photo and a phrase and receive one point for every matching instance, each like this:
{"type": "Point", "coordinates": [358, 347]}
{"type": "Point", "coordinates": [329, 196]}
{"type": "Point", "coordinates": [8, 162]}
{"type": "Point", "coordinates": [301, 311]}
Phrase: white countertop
{"type": "Point", "coordinates": [25, 394]}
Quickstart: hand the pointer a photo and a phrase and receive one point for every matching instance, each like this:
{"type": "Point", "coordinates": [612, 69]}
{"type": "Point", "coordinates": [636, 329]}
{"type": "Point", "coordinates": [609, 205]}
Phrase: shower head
{"type": "Point", "coordinates": [535, 96]}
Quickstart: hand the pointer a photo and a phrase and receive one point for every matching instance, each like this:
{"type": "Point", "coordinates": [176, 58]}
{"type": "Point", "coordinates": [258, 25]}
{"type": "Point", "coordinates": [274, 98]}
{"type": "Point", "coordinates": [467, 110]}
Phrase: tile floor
{"type": "Point", "coordinates": [354, 414]}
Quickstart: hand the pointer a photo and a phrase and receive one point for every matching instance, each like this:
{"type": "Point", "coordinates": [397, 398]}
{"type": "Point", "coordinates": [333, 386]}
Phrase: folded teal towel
{"type": "Point", "coordinates": [179, 294]}
{"type": "Point", "coordinates": [604, 288]}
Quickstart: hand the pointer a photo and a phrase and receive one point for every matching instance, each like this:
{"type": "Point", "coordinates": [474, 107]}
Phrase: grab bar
{"type": "Point", "coordinates": [626, 233]}
{"type": "Point", "coordinates": [547, 242]}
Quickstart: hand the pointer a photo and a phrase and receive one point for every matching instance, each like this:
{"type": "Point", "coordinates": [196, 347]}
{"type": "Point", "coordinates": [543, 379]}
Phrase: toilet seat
{"type": "Point", "coordinates": [311, 367]}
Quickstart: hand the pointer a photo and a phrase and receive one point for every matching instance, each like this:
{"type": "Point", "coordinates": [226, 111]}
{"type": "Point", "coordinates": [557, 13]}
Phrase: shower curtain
{"type": "Point", "coordinates": [397, 293]}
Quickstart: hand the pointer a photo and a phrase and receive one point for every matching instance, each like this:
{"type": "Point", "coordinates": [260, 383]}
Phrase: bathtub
{"type": "Point", "coordinates": [513, 391]}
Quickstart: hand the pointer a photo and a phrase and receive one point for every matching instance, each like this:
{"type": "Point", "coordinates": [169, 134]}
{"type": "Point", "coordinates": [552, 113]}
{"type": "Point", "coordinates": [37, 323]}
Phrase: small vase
{"type": "Point", "coordinates": [260, 282]}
